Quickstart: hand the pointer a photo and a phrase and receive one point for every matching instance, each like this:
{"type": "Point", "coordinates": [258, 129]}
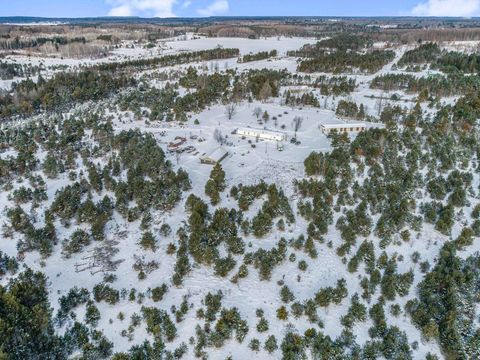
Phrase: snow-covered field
{"type": "Point", "coordinates": [281, 44]}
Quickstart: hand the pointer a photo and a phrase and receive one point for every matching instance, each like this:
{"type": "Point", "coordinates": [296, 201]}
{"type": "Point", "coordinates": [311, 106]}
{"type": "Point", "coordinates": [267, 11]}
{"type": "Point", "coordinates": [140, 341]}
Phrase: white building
{"type": "Point", "coordinates": [214, 157]}
{"type": "Point", "coordinates": [262, 134]}
{"type": "Point", "coordinates": [346, 128]}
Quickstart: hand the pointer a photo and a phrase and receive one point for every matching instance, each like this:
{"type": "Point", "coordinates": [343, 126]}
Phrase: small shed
{"type": "Point", "coordinates": [215, 157]}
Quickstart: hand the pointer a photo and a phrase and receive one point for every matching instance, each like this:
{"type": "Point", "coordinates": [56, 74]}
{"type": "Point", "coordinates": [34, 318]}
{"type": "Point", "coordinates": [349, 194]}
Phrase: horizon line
{"type": "Point", "coordinates": [246, 16]}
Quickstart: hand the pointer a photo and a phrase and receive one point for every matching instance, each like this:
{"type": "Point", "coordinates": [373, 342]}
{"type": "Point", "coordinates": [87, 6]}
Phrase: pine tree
{"type": "Point", "coordinates": [216, 184]}
{"type": "Point", "coordinates": [148, 241]}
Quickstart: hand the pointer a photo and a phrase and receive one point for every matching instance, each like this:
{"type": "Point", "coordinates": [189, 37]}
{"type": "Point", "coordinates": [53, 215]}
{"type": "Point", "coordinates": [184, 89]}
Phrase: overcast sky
{"type": "Point", "coordinates": [193, 8]}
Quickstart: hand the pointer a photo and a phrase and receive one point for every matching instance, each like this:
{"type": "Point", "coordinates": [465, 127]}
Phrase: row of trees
{"type": "Point", "coordinates": [10, 70]}
{"type": "Point", "coordinates": [18, 43]}
{"type": "Point", "coordinates": [328, 85]}
{"type": "Point", "coordinates": [170, 60]}
{"type": "Point", "coordinates": [425, 53]}
{"type": "Point", "coordinates": [434, 85]}
{"type": "Point", "coordinates": [343, 62]}
{"type": "Point", "coordinates": [258, 56]}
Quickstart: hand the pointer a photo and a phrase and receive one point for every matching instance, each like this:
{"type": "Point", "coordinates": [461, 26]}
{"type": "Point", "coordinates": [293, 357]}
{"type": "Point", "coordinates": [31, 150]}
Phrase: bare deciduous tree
{"type": "Point", "coordinates": [379, 105]}
{"type": "Point", "coordinates": [218, 136]}
{"type": "Point", "coordinates": [265, 92]}
{"type": "Point", "coordinates": [230, 110]}
{"type": "Point", "coordinates": [297, 123]}
{"type": "Point", "coordinates": [325, 103]}
{"type": "Point", "coordinates": [178, 154]}
{"type": "Point", "coordinates": [257, 112]}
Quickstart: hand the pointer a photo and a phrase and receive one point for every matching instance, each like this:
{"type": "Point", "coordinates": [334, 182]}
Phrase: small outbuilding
{"type": "Point", "coordinates": [215, 157]}
{"type": "Point", "coordinates": [345, 128]}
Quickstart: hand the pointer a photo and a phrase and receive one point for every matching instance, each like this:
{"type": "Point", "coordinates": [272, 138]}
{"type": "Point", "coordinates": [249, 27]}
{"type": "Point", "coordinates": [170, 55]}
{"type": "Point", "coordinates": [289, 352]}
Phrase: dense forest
{"type": "Point", "coordinates": [17, 43]}
{"type": "Point", "coordinates": [443, 60]}
{"type": "Point", "coordinates": [328, 85]}
{"type": "Point", "coordinates": [345, 62]}
{"type": "Point", "coordinates": [433, 85]}
{"type": "Point", "coordinates": [60, 92]}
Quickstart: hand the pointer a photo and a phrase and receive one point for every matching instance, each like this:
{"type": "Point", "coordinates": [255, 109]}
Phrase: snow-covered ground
{"type": "Point", "coordinates": [249, 161]}
{"type": "Point", "coordinates": [281, 44]}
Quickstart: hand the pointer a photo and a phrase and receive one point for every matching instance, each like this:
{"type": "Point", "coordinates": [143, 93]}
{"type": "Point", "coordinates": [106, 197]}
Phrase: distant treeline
{"type": "Point", "coordinates": [17, 43]}
{"type": "Point", "coordinates": [258, 56]}
{"type": "Point", "coordinates": [408, 36]}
